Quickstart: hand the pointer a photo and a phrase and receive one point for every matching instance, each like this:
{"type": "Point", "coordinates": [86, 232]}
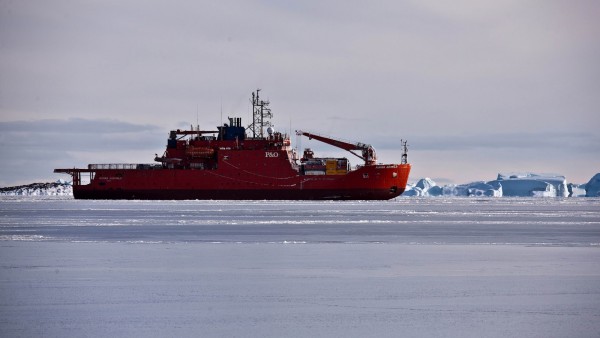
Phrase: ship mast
{"type": "Point", "coordinates": [260, 112]}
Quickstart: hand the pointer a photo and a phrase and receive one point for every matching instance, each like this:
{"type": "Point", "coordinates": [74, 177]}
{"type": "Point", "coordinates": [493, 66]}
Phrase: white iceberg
{"type": "Point", "coordinates": [508, 184]}
{"type": "Point", "coordinates": [531, 184]}
{"type": "Point", "coordinates": [435, 191]}
{"type": "Point", "coordinates": [480, 188]}
{"type": "Point", "coordinates": [592, 188]}
{"type": "Point", "coordinates": [576, 190]}
{"type": "Point", "coordinates": [424, 187]}
{"type": "Point", "coordinates": [412, 191]}
{"type": "Point", "coordinates": [425, 184]}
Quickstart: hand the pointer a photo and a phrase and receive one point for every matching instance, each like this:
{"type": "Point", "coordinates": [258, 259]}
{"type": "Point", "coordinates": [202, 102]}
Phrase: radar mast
{"type": "Point", "coordinates": [261, 113]}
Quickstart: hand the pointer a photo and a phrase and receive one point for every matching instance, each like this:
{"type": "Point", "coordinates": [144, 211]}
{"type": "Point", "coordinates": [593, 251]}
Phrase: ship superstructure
{"type": "Point", "coordinates": [236, 162]}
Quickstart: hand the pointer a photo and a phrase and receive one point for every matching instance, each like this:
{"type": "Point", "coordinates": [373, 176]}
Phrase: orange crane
{"type": "Point", "coordinates": [367, 152]}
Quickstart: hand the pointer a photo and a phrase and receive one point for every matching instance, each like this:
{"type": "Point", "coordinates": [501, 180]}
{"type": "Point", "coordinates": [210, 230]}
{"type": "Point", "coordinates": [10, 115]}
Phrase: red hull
{"type": "Point", "coordinates": [378, 182]}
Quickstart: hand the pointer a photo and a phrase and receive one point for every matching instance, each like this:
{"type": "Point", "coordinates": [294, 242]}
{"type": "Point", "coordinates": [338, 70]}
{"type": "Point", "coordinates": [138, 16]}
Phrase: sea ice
{"type": "Point", "coordinates": [437, 267]}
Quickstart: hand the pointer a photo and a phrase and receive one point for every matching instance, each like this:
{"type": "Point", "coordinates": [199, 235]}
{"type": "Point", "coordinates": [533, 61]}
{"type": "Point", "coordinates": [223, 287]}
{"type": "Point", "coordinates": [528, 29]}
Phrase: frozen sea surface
{"type": "Point", "coordinates": [411, 267]}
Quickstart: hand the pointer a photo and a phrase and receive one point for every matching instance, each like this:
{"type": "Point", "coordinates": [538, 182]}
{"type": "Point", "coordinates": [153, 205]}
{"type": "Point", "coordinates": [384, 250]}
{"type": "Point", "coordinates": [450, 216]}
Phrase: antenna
{"type": "Point", "coordinates": [222, 130]}
{"type": "Point", "coordinates": [261, 111]}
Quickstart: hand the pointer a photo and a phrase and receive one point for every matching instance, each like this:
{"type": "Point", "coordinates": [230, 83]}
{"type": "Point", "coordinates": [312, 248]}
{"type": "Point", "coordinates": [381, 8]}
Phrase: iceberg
{"type": "Point", "coordinates": [592, 188]}
{"type": "Point", "coordinates": [412, 191]}
{"type": "Point", "coordinates": [576, 190]}
{"type": "Point", "coordinates": [531, 184]}
{"type": "Point", "coordinates": [435, 191]}
{"type": "Point", "coordinates": [480, 188]}
{"type": "Point", "coordinates": [524, 184]}
{"type": "Point", "coordinates": [425, 184]}
{"type": "Point", "coordinates": [424, 187]}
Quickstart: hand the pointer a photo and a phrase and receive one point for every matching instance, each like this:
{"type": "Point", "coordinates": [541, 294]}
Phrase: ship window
{"type": "Point", "coordinates": [366, 175]}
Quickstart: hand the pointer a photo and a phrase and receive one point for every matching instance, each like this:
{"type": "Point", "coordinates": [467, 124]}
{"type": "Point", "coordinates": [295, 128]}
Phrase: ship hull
{"type": "Point", "coordinates": [381, 182]}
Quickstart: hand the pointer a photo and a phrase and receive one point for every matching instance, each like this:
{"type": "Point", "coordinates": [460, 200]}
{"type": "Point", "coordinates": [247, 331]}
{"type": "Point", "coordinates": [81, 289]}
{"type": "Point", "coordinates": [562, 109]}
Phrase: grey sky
{"type": "Point", "coordinates": [476, 87]}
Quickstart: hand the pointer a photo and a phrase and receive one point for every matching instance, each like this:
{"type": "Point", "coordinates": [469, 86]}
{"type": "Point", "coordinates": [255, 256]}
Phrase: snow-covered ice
{"type": "Point", "coordinates": [58, 188]}
{"type": "Point", "coordinates": [457, 267]}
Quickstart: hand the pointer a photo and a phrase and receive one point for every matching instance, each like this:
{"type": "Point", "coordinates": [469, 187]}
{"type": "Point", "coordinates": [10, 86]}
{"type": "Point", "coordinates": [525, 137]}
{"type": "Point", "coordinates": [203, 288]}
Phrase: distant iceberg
{"type": "Point", "coordinates": [576, 190]}
{"type": "Point", "coordinates": [427, 187]}
{"type": "Point", "coordinates": [531, 184]}
{"type": "Point", "coordinates": [524, 184]}
{"type": "Point", "coordinates": [481, 188]}
{"type": "Point", "coordinates": [421, 188]}
{"type": "Point", "coordinates": [592, 188]}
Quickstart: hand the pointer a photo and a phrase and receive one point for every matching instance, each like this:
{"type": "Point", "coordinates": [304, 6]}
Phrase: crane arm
{"type": "Point", "coordinates": [336, 143]}
{"type": "Point", "coordinates": [368, 153]}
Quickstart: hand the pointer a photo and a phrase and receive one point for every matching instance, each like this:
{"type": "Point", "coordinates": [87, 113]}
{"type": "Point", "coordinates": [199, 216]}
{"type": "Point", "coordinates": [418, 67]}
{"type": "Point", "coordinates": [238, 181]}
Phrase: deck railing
{"type": "Point", "coordinates": [124, 166]}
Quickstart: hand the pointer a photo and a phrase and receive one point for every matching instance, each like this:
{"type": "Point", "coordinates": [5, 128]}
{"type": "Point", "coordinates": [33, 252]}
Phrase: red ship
{"type": "Point", "coordinates": [239, 163]}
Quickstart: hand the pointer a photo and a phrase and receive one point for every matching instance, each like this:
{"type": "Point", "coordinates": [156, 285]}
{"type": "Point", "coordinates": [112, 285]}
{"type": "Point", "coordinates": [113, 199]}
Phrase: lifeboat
{"type": "Point", "coordinates": [200, 152]}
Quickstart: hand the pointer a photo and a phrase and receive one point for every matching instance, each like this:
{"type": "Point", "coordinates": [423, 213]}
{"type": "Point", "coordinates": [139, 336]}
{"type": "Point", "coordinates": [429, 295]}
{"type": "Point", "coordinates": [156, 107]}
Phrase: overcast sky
{"type": "Point", "coordinates": [476, 87]}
